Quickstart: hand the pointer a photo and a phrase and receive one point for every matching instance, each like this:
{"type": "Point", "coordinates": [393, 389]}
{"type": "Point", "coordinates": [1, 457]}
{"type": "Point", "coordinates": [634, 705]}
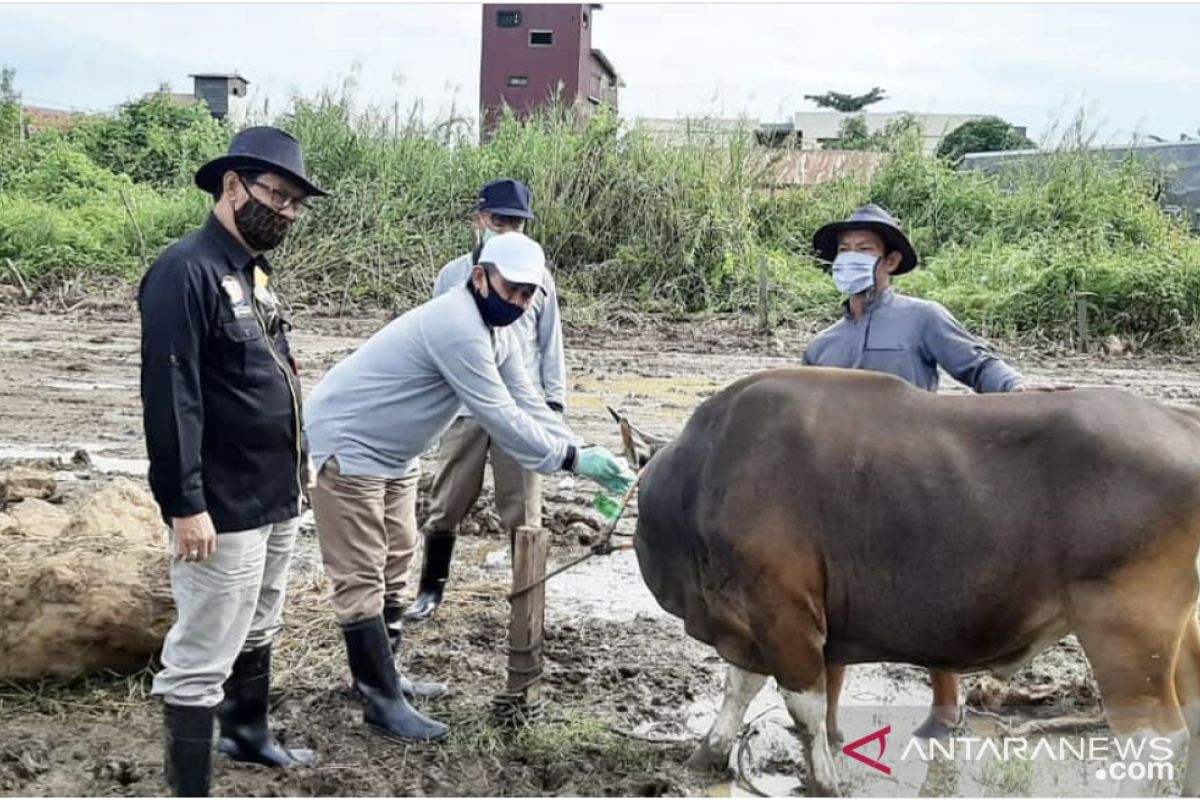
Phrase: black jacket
{"type": "Point", "coordinates": [221, 399]}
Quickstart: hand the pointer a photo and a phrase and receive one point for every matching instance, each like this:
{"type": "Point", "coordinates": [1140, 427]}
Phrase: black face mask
{"type": "Point", "coordinates": [262, 227]}
{"type": "Point", "coordinates": [495, 310]}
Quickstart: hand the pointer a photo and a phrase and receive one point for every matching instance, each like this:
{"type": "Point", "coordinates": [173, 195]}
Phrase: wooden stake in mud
{"type": "Point", "coordinates": [1081, 319]}
{"type": "Point", "coordinates": [524, 693]}
{"type": "Point", "coordinates": [764, 296]}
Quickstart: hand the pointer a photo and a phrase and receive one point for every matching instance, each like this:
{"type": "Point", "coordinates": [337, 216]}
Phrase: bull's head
{"type": "Point", "coordinates": [640, 446]}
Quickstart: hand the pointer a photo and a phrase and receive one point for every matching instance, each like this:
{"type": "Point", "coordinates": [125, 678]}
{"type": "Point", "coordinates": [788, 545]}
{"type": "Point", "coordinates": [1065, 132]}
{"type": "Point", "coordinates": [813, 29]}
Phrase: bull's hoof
{"type": "Point", "coordinates": [934, 728]}
{"type": "Point", "coordinates": [815, 789]}
{"type": "Point", "coordinates": [705, 759]}
{"type": "Point", "coordinates": [835, 739]}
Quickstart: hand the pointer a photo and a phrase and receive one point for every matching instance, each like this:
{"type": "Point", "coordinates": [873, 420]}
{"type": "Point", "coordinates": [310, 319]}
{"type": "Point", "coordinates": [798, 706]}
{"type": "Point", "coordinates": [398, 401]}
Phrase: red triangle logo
{"type": "Point", "coordinates": [880, 735]}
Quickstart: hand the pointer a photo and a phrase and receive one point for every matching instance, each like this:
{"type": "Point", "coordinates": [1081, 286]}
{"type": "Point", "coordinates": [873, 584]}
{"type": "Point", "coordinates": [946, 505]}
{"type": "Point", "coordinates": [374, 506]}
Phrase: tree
{"type": "Point", "coordinates": [848, 103]}
{"type": "Point", "coordinates": [153, 140]}
{"type": "Point", "coordinates": [853, 134]}
{"type": "Point", "coordinates": [986, 135]}
{"type": "Point", "coordinates": [10, 106]}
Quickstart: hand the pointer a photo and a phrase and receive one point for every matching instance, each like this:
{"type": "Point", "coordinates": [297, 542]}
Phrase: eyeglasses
{"type": "Point", "coordinates": [279, 200]}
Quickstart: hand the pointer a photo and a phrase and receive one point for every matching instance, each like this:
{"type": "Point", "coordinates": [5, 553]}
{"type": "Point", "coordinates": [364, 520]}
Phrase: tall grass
{"type": "Point", "coordinates": [628, 221]}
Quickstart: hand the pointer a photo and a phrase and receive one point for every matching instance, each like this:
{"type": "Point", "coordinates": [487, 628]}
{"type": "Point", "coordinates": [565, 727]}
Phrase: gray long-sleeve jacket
{"type": "Point", "coordinates": [390, 400]}
{"type": "Point", "coordinates": [539, 330]}
{"type": "Point", "coordinates": [910, 338]}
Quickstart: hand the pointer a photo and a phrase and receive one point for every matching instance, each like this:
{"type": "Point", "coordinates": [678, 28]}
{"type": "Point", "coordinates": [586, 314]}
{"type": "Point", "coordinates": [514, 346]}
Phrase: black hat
{"type": "Point", "coordinates": [263, 148]}
{"type": "Point", "coordinates": [871, 218]}
{"type": "Point", "coordinates": [505, 197]}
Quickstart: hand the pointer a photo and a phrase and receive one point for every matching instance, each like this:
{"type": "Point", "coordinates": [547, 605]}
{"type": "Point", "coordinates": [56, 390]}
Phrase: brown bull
{"type": "Point", "coordinates": [818, 516]}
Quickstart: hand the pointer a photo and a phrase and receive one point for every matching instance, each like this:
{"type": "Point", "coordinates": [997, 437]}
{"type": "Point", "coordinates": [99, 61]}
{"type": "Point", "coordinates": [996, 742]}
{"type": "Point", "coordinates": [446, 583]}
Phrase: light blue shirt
{"type": "Point", "coordinates": [391, 399]}
{"type": "Point", "coordinates": [910, 338]}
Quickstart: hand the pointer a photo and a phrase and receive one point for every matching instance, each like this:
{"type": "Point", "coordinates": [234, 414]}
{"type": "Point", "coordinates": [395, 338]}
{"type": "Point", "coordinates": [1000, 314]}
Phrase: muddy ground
{"type": "Point", "coordinates": [629, 691]}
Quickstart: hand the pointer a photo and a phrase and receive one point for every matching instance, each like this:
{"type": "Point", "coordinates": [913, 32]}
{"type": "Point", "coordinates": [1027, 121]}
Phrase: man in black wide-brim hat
{"type": "Point", "coordinates": [910, 338]}
{"type": "Point", "coordinates": [222, 413]}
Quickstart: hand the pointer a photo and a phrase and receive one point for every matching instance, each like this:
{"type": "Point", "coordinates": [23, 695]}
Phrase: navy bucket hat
{"type": "Point", "coordinates": [262, 148]}
{"type": "Point", "coordinates": [505, 197]}
{"type": "Point", "coordinates": [871, 218]}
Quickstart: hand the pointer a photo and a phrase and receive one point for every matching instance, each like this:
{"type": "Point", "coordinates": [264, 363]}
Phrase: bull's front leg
{"type": "Point", "coordinates": [740, 689]}
{"type": "Point", "coordinates": [808, 712]}
{"type": "Point", "coordinates": [835, 676]}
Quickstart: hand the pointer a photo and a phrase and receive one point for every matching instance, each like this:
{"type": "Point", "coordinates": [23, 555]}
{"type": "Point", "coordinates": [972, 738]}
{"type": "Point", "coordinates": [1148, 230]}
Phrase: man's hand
{"type": "Point", "coordinates": [195, 537]}
{"type": "Point", "coordinates": [310, 478]}
{"type": "Point", "coordinates": [605, 469]}
{"type": "Point", "coordinates": [1043, 387]}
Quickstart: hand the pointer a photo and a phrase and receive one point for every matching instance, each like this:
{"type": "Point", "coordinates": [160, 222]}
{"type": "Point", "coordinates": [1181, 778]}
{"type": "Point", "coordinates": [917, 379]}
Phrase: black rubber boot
{"type": "Point", "coordinates": [393, 621]}
{"type": "Point", "coordinates": [188, 762]}
{"type": "Point", "coordinates": [378, 684]}
{"type": "Point", "coordinates": [243, 715]}
{"type": "Point", "coordinates": [435, 570]}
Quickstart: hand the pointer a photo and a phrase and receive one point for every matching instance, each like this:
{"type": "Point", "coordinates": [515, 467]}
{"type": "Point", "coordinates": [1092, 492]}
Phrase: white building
{"type": "Point", "coordinates": [808, 130]}
{"type": "Point", "coordinates": [814, 129]}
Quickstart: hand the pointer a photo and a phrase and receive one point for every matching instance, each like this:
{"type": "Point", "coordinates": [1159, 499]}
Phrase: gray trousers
{"type": "Point", "coordinates": [229, 602]}
{"type": "Point", "coordinates": [459, 480]}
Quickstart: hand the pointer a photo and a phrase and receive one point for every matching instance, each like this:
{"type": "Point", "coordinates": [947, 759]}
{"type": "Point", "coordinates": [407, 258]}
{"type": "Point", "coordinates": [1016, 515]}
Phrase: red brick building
{"type": "Point", "coordinates": [531, 53]}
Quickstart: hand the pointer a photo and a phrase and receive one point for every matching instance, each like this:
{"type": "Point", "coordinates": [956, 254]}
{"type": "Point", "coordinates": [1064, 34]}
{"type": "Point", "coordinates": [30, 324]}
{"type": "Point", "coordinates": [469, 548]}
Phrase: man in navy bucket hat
{"type": "Point", "coordinates": [910, 338]}
{"type": "Point", "coordinates": [503, 206]}
{"type": "Point", "coordinates": [228, 463]}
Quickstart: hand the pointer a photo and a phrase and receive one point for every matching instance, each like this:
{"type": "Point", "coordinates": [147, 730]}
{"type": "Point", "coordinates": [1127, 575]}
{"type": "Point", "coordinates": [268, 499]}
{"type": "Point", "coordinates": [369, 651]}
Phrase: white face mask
{"type": "Point", "coordinates": [854, 273]}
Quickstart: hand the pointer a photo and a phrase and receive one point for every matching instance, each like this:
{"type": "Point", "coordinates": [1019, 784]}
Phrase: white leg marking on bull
{"type": "Point", "coordinates": [740, 689]}
{"type": "Point", "coordinates": [808, 712]}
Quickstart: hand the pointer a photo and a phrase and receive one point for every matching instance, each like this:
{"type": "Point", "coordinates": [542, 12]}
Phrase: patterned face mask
{"type": "Point", "coordinates": [261, 227]}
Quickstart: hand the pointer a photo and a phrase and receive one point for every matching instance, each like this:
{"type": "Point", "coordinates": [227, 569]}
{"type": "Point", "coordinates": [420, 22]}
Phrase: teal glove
{"type": "Point", "coordinates": [605, 469]}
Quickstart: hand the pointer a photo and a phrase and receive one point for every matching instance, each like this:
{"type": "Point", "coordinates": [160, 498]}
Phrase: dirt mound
{"type": "Point", "coordinates": [84, 592]}
{"type": "Point", "coordinates": [21, 483]}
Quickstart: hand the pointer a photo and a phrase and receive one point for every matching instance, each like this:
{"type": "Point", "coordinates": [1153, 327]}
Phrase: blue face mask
{"type": "Point", "coordinates": [495, 310]}
{"type": "Point", "coordinates": [854, 273]}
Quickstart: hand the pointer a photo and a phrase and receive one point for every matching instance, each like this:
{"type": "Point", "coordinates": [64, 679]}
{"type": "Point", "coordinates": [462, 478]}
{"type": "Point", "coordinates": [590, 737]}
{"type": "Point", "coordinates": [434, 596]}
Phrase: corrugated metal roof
{"type": "Point", "coordinates": [604, 62]}
{"type": "Point", "coordinates": [219, 76]}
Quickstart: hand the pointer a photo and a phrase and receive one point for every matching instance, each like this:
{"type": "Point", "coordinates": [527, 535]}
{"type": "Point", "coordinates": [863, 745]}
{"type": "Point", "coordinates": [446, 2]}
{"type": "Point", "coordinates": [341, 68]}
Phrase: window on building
{"type": "Point", "coordinates": [518, 80]}
{"type": "Point", "coordinates": [585, 19]}
{"type": "Point", "coordinates": [541, 38]}
{"type": "Point", "coordinates": [508, 19]}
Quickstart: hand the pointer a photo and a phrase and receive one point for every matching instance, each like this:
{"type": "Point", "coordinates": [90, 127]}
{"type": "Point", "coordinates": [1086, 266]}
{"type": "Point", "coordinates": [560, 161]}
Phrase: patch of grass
{"type": "Point", "coordinates": [629, 222]}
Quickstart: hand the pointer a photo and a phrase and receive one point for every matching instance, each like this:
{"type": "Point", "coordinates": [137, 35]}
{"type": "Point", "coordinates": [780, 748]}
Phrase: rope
{"type": "Point", "coordinates": [602, 548]}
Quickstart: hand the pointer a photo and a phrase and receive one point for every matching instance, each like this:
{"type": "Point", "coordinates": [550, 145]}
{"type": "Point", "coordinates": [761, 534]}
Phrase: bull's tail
{"type": "Point", "coordinates": [639, 445]}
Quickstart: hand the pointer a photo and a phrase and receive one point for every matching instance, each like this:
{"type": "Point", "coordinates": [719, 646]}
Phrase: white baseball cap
{"type": "Point", "coordinates": [516, 257]}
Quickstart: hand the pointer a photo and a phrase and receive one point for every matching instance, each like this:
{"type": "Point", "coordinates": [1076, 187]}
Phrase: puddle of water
{"type": "Point", "coordinates": [603, 587]}
{"type": "Point", "coordinates": [101, 463]}
{"type": "Point", "coordinates": [609, 587]}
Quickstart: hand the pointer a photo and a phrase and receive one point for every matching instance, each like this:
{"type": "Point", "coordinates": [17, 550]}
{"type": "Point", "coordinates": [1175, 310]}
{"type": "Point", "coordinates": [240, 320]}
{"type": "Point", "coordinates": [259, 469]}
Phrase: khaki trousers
{"type": "Point", "coordinates": [229, 602]}
{"type": "Point", "coordinates": [367, 529]}
{"type": "Point", "coordinates": [459, 480]}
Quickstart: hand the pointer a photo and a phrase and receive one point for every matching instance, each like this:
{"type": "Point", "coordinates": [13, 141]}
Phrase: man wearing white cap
{"type": "Point", "coordinates": [372, 416]}
{"type": "Point", "coordinates": [504, 205]}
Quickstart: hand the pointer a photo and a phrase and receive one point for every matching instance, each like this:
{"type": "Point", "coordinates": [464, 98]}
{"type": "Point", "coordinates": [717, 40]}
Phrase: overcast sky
{"type": "Point", "coordinates": [1132, 68]}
